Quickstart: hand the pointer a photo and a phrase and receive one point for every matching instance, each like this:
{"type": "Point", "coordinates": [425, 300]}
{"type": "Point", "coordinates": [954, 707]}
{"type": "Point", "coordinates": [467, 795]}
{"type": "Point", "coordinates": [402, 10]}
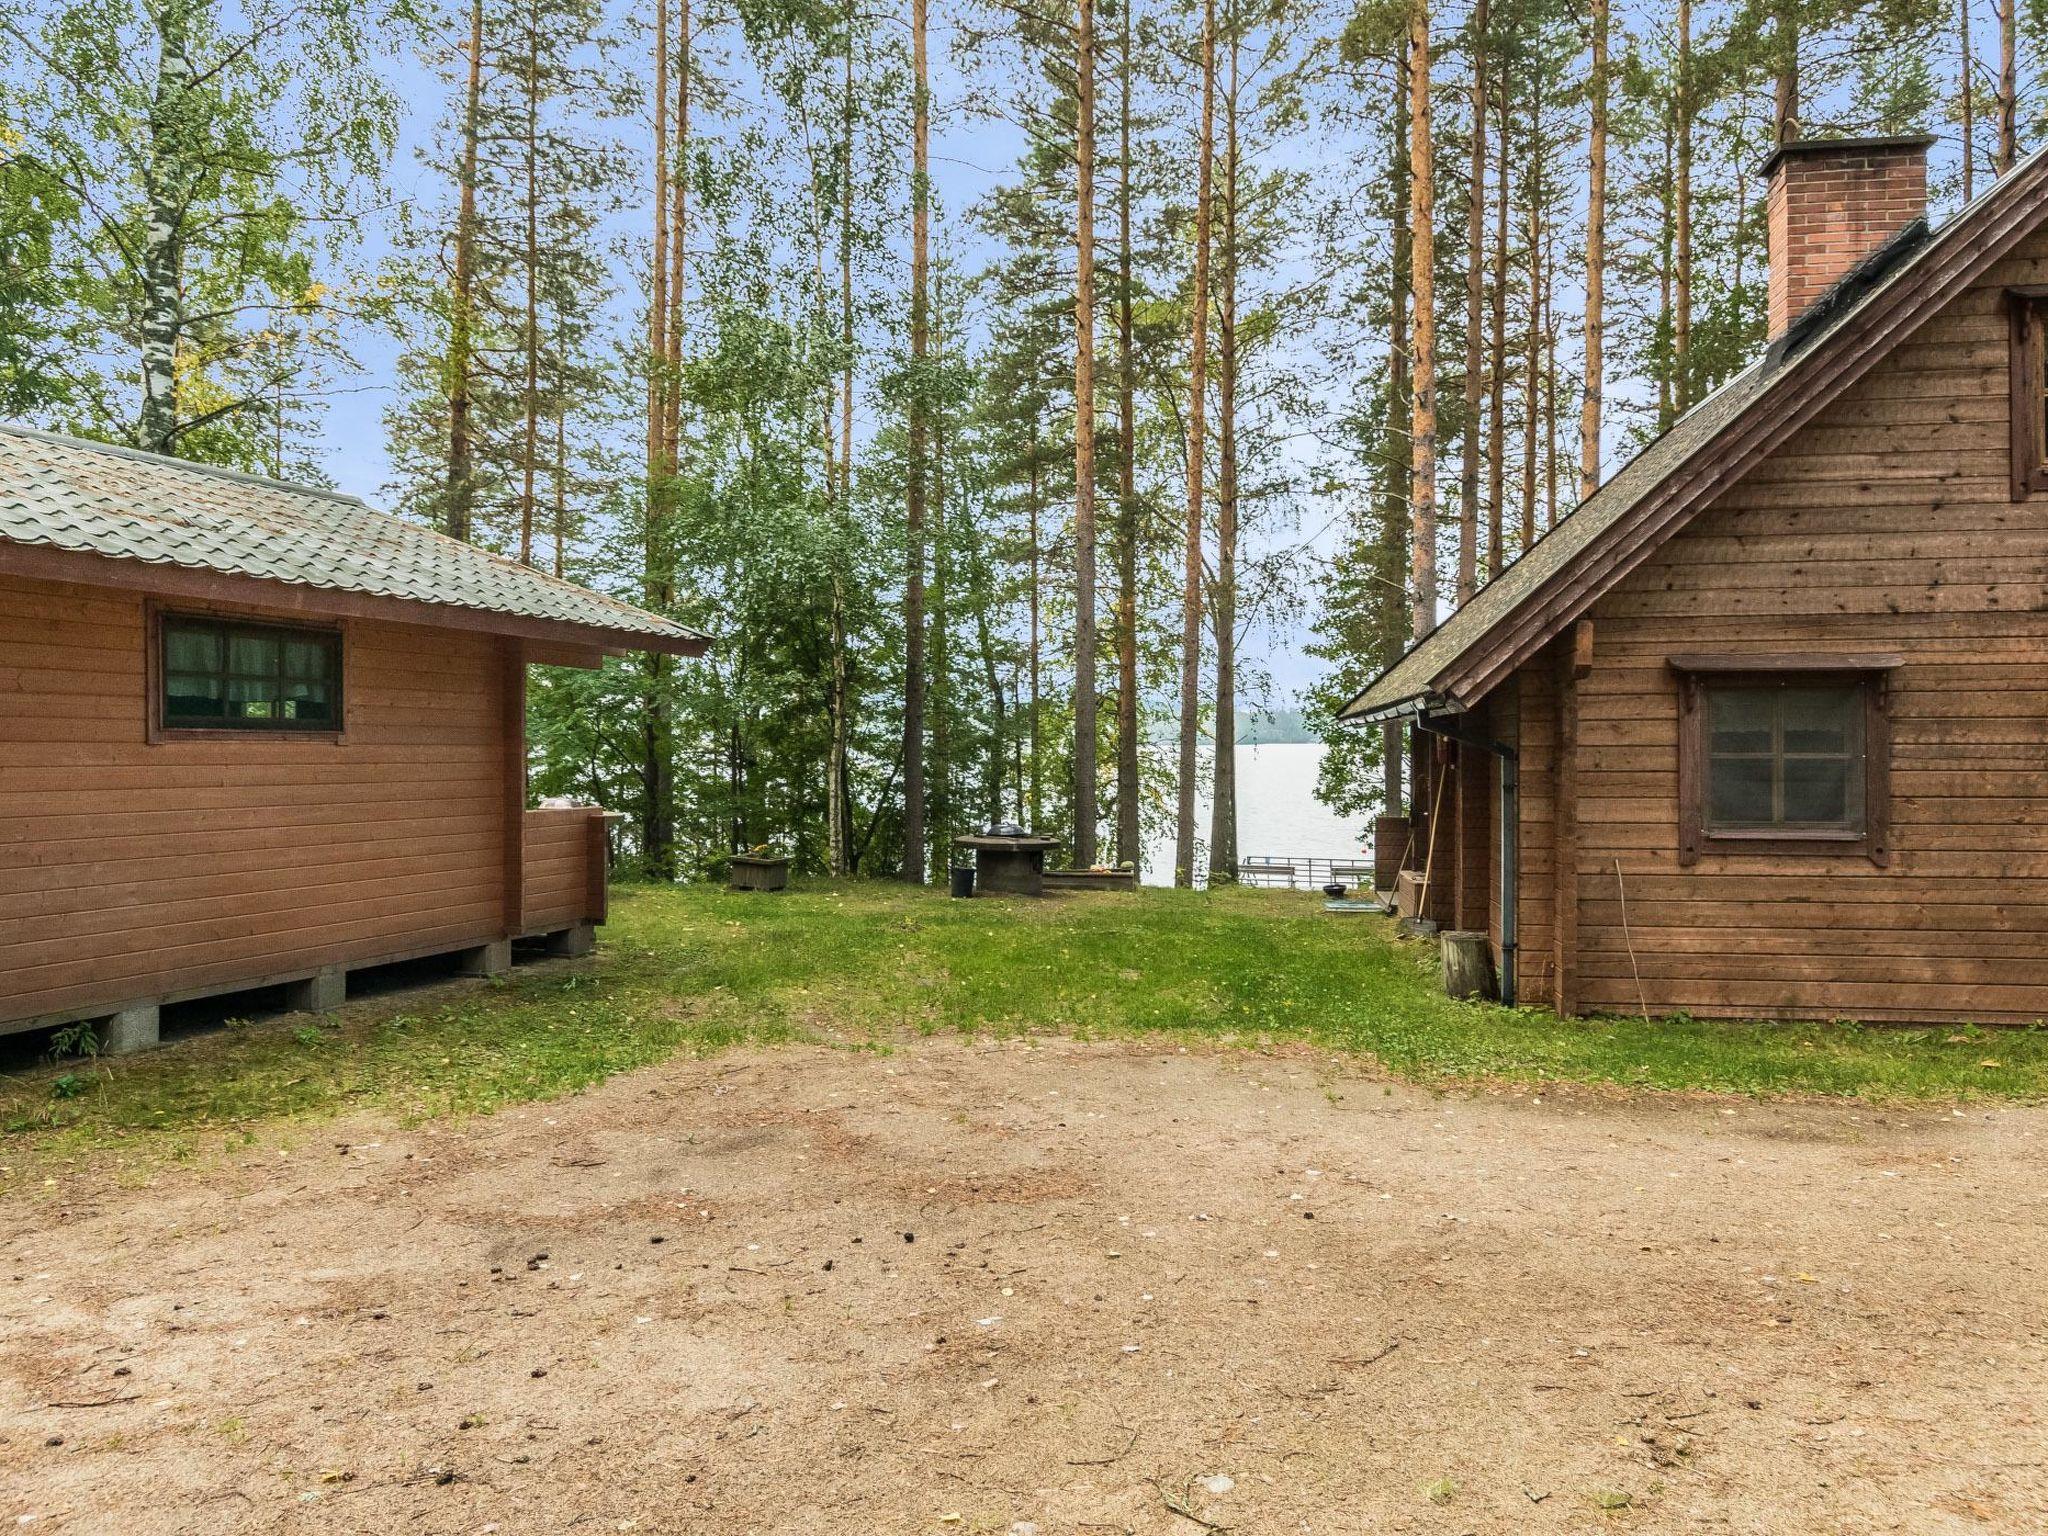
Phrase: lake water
{"type": "Point", "coordinates": [1278, 814]}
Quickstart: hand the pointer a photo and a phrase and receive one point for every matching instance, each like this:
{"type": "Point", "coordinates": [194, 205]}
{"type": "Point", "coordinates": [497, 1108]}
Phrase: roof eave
{"type": "Point", "coordinates": [49, 562]}
{"type": "Point", "coordinates": [1358, 712]}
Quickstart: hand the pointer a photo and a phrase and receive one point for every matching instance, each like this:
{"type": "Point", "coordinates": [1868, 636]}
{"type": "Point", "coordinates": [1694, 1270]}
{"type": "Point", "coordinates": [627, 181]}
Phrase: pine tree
{"type": "Point", "coordinates": [1596, 256]}
{"type": "Point", "coordinates": [914, 857]}
{"type": "Point", "coordinates": [1197, 434]}
{"type": "Point", "coordinates": [1422, 232]}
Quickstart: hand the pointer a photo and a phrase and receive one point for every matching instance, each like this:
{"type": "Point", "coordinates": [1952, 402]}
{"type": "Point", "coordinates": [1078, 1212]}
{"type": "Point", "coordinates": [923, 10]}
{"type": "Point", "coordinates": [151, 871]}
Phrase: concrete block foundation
{"type": "Point", "coordinates": [318, 993]}
{"type": "Point", "coordinates": [492, 959]}
{"type": "Point", "coordinates": [580, 940]}
{"type": "Point", "coordinates": [132, 1029]}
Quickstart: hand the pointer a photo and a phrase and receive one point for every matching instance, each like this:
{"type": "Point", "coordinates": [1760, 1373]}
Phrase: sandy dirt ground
{"type": "Point", "coordinates": [1047, 1287]}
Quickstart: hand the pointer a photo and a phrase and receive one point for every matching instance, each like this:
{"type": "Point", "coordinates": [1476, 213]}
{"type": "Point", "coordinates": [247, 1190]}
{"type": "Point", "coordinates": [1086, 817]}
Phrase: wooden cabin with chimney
{"type": "Point", "coordinates": [1761, 728]}
{"type": "Point", "coordinates": [256, 735]}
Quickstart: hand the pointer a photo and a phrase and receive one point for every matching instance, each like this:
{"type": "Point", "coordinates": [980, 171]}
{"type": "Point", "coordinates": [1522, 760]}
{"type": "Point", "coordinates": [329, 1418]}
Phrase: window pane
{"type": "Point", "coordinates": [1819, 791]}
{"type": "Point", "coordinates": [251, 698]}
{"type": "Point", "coordinates": [1825, 720]}
{"type": "Point", "coordinates": [1739, 720]}
{"type": "Point", "coordinates": [307, 703]}
{"type": "Point", "coordinates": [254, 676]}
{"type": "Point", "coordinates": [306, 659]}
{"type": "Point", "coordinates": [1739, 791]}
{"type": "Point", "coordinates": [190, 650]}
{"type": "Point", "coordinates": [252, 654]}
{"type": "Point", "coordinates": [1785, 758]}
{"type": "Point", "coordinates": [187, 694]}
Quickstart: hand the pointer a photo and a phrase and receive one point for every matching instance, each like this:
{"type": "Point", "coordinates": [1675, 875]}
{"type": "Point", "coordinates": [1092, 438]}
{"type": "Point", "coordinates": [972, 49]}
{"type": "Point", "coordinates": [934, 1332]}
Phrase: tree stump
{"type": "Point", "coordinates": [1468, 965]}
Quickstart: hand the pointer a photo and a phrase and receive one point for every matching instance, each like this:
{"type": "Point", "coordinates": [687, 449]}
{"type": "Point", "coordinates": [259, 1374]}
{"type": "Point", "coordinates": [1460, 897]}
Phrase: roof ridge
{"type": "Point", "coordinates": [172, 461]}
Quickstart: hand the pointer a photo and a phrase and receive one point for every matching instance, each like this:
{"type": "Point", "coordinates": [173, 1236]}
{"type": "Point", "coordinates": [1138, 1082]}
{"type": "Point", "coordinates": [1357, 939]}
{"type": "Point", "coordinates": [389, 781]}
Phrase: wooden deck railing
{"type": "Point", "coordinates": [565, 868]}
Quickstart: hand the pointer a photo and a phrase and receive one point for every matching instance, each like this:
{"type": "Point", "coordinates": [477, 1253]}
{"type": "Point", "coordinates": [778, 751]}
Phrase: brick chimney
{"type": "Point", "coordinates": [1833, 202]}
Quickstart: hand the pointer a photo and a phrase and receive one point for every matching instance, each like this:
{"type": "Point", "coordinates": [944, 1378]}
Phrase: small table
{"type": "Point", "coordinates": [1008, 866]}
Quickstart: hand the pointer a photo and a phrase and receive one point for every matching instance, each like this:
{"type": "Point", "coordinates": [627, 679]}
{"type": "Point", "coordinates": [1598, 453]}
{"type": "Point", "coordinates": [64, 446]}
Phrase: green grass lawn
{"type": "Point", "coordinates": [697, 969]}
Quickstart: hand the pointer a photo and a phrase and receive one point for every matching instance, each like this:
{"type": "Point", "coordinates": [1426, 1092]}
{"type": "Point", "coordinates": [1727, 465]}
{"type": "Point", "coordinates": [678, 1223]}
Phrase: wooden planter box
{"type": "Point", "coordinates": [1091, 880]}
{"type": "Point", "coordinates": [747, 872]}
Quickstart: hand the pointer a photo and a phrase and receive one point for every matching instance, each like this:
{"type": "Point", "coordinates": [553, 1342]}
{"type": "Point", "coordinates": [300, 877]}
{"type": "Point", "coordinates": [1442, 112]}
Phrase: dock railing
{"type": "Point", "coordinates": [1305, 872]}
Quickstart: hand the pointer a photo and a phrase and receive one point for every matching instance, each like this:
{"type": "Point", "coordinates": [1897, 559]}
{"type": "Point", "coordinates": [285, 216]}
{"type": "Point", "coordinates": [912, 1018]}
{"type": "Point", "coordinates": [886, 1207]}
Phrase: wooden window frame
{"type": "Point", "coordinates": [2027, 309]}
{"type": "Point", "coordinates": [1870, 673]}
{"type": "Point", "coordinates": [156, 729]}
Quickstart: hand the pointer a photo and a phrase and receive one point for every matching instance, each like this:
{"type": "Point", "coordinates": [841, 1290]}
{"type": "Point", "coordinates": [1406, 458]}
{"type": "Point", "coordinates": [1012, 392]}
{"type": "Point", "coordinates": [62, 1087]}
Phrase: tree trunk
{"type": "Point", "coordinates": [1549, 378]}
{"type": "Point", "coordinates": [1532, 397]}
{"type": "Point", "coordinates": [1129, 836]}
{"type": "Point", "coordinates": [1497, 353]}
{"type": "Point", "coordinates": [1667, 384]}
{"type": "Point", "coordinates": [561, 482]}
{"type": "Point", "coordinates": [939, 682]}
{"type": "Point", "coordinates": [1785, 98]}
{"type": "Point", "coordinates": [982, 603]}
{"type": "Point", "coordinates": [459, 506]}
{"type": "Point", "coordinates": [1036, 798]}
{"type": "Point", "coordinates": [1223, 774]}
{"type": "Point", "coordinates": [1396, 466]}
{"type": "Point", "coordinates": [679, 184]}
{"type": "Point", "coordinates": [657, 307]}
{"type": "Point", "coordinates": [1475, 302]}
{"type": "Point", "coordinates": [914, 852]}
{"type": "Point", "coordinates": [2008, 85]}
{"type": "Point", "coordinates": [1596, 261]}
{"type": "Point", "coordinates": [838, 820]}
{"type": "Point", "coordinates": [657, 829]}
{"type": "Point", "coordinates": [529, 453]}
{"type": "Point", "coordinates": [1084, 438]}
{"type": "Point", "coordinates": [1422, 262]}
{"type": "Point", "coordinates": [1681, 204]}
{"type": "Point", "coordinates": [1198, 390]}
{"type": "Point", "coordinates": [166, 185]}
{"type": "Point", "coordinates": [1968, 70]}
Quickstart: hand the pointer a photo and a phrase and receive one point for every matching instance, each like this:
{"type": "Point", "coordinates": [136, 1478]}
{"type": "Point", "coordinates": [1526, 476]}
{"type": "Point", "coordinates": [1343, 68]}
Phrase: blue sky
{"type": "Point", "coordinates": [971, 153]}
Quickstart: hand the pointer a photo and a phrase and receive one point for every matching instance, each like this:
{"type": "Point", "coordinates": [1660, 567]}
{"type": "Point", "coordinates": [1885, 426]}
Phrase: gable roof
{"type": "Point", "coordinates": [1828, 348]}
{"type": "Point", "coordinates": [103, 514]}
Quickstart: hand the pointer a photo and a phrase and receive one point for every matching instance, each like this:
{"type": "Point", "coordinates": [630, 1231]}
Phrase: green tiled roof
{"type": "Point", "coordinates": [93, 498]}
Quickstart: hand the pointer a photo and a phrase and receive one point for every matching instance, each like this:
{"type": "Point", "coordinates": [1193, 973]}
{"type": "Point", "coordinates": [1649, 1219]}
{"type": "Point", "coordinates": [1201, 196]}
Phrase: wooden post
{"type": "Point", "coordinates": [597, 853]}
{"type": "Point", "coordinates": [512, 727]}
{"type": "Point", "coordinates": [1475, 821]}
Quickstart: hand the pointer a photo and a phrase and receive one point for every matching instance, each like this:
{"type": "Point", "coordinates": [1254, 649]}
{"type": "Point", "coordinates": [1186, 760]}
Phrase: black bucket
{"type": "Point", "coordinates": [962, 879]}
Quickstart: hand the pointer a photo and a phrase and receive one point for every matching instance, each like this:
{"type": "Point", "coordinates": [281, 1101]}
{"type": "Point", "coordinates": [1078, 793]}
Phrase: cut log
{"type": "Point", "coordinates": [1468, 964]}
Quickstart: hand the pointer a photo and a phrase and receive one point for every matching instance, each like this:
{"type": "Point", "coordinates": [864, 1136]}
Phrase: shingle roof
{"type": "Point", "coordinates": [1414, 678]}
{"type": "Point", "coordinates": [1410, 677]}
{"type": "Point", "coordinates": [95, 498]}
